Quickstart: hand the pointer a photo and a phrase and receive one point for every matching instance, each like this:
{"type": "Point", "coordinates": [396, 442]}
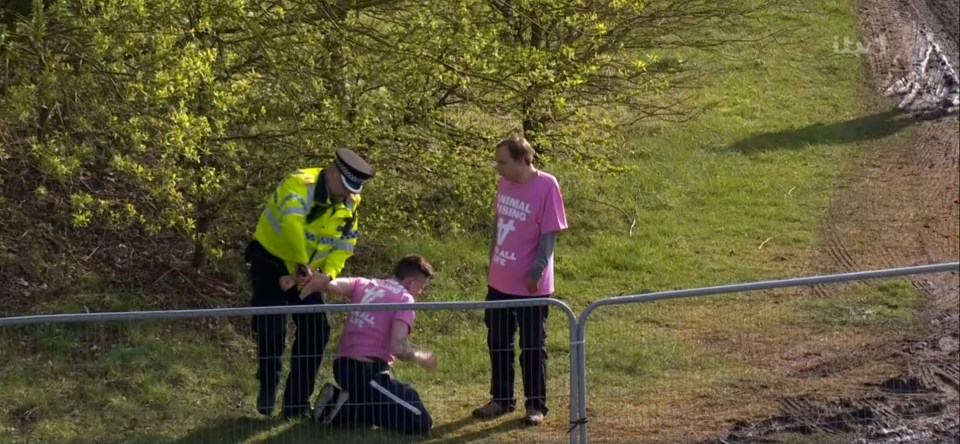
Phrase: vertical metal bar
{"type": "Point", "coordinates": [575, 371]}
{"type": "Point", "coordinates": [582, 381]}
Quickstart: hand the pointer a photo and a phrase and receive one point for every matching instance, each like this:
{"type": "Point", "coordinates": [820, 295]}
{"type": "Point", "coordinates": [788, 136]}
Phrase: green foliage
{"type": "Point", "coordinates": [180, 115]}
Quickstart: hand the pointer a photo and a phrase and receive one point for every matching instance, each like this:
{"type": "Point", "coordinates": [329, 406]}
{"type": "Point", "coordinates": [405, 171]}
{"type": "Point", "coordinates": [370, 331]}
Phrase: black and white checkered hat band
{"type": "Point", "coordinates": [350, 180]}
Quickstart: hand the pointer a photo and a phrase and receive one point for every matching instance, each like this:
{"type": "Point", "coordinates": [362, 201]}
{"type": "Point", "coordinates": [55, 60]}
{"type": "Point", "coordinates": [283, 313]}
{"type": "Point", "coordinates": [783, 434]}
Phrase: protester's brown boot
{"type": "Point", "coordinates": [492, 409]}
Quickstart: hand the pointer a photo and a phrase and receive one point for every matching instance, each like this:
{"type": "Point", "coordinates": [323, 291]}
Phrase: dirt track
{"type": "Point", "coordinates": [900, 206]}
{"type": "Point", "coordinates": [912, 48]}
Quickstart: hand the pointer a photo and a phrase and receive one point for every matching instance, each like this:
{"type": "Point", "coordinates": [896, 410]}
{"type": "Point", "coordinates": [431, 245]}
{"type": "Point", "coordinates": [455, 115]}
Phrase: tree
{"type": "Point", "coordinates": [174, 118]}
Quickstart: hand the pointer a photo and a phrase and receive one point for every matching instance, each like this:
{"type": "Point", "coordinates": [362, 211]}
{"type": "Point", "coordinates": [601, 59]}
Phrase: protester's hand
{"type": "Point", "coordinates": [428, 361]}
{"type": "Point", "coordinates": [318, 283]}
{"type": "Point", "coordinates": [287, 282]}
{"type": "Point", "coordinates": [533, 285]}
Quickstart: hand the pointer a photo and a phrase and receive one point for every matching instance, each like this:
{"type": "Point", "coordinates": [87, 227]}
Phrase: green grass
{"type": "Point", "coordinates": [737, 195]}
{"type": "Point", "coordinates": [884, 306]}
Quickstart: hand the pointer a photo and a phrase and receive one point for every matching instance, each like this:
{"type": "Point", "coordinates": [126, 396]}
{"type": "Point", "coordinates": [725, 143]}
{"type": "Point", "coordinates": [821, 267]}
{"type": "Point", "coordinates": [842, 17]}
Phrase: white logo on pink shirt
{"type": "Point", "coordinates": [512, 209]}
{"type": "Point", "coordinates": [363, 318]}
{"type": "Point", "coordinates": [504, 229]}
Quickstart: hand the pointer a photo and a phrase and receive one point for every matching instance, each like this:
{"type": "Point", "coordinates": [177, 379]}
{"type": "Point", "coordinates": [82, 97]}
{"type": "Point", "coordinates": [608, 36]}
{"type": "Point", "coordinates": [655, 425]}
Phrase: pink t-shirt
{"type": "Point", "coordinates": [524, 212]}
{"type": "Point", "coordinates": [367, 333]}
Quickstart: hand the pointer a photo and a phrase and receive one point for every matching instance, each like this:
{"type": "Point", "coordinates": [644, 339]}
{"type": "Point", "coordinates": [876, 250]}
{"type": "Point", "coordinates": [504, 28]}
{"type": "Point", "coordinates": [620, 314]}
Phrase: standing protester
{"type": "Point", "coordinates": [308, 229]}
{"type": "Point", "coordinates": [370, 342]}
{"type": "Point", "coordinates": [529, 213]}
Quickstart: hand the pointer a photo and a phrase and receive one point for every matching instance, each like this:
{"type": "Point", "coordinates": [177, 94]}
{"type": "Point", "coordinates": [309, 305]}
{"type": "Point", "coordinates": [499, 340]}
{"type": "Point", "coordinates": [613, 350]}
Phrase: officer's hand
{"type": "Point", "coordinates": [304, 272]}
{"type": "Point", "coordinates": [318, 283]}
{"type": "Point", "coordinates": [287, 282]}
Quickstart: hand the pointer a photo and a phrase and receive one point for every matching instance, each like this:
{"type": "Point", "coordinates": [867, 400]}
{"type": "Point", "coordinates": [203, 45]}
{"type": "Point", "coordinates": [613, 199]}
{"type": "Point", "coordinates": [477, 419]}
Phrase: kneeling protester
{"type": "Point", "coordinates": [368, 394]}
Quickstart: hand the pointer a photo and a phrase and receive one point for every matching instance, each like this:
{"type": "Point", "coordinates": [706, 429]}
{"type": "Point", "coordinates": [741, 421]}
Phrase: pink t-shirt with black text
{"type": "Point", "coordinates": [524, 212]}
{"type": "Point", "coordinates": [367, 333]}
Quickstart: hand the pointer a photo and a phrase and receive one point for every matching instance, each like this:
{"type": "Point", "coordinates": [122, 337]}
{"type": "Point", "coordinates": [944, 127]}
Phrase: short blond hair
{"type": "Point", "coordinates": [519, 148]}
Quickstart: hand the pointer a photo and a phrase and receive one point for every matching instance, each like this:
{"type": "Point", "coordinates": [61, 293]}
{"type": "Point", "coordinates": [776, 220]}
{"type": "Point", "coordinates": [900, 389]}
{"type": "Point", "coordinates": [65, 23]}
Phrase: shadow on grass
{"type": "Point", "coordinates": [306, 432]}
{"type": "Point", "coordinates": [228, 430]}
{"type": "Point", "coordinates": [273, 431]}
{"type": "Point", "coordinates": [309, 432]}
{"type": "Point", "coordinates": [489, 433]}
{"type": "Point", "coordinates": [861, 129]}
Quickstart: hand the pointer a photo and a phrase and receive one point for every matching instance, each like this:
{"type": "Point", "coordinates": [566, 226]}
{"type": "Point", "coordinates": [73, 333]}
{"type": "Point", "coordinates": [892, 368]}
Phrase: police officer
{"type": "Point", "coordinates": [308, 229]}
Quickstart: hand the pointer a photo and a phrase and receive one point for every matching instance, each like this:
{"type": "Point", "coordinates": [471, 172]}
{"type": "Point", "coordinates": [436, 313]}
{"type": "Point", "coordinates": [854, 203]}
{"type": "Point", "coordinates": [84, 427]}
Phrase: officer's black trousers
{"type": "Point", "coordinates": [312, 332]}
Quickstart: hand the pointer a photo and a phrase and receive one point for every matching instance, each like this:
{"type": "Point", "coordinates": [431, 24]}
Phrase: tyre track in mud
{"type": "Point", "coordinates": [900, 206]}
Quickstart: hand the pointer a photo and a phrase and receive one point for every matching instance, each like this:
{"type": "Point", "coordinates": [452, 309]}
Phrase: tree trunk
{"type": "Point", "coordinates": [203, 213]}
{"type": "Point", "coordinates": [338, 65]}
{"type": "Point", "coordinates": [200, 235]}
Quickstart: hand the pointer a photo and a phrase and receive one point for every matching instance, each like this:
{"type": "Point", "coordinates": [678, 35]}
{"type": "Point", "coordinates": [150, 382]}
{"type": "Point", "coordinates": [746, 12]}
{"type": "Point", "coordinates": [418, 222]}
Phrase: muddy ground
{"type": "Point", "coordinates": [899, 207]}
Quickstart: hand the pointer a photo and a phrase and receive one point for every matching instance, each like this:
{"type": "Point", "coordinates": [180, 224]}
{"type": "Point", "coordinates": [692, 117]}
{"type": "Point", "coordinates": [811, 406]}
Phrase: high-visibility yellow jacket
{"type": "Point", "coordinates": [300, 225]}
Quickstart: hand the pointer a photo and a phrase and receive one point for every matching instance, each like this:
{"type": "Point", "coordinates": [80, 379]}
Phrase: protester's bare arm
{"type": "Point", "coordinates": [339, 286]}
{"type": "Point", "coordinates": [401, 348]}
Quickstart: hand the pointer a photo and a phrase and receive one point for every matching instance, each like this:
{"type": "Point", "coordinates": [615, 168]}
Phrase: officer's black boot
{"type": "Point", "coordinates": [266, 399]}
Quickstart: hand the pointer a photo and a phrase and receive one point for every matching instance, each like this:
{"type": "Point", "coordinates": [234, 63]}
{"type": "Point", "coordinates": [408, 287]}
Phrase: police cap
{"type": "Point", "coordinates": [354, 171]}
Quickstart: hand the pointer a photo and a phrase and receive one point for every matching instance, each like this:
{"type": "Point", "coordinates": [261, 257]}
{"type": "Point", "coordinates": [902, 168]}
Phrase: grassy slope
{"type": "Point", "coordinates": [756, 170]}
